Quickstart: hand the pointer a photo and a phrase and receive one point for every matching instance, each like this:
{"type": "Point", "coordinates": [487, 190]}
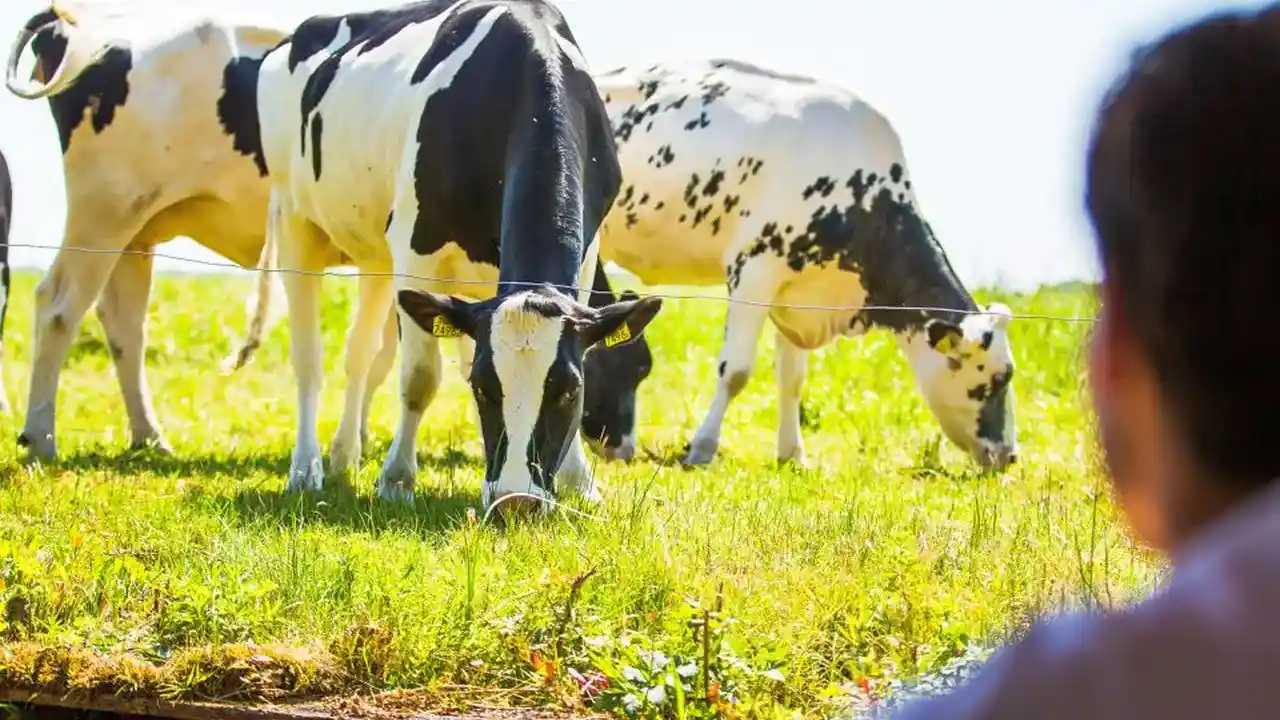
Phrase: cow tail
{"type": "Point", "coordinates": [84, 47]}
{"type": "Point", "coordinates": [267, 296]}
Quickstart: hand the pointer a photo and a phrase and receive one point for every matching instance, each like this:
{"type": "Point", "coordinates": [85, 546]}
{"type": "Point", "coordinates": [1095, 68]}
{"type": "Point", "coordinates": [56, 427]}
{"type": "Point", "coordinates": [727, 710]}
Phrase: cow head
{"type": "Point", "coordinates": [527, 375]}
{"type": "Point", "coordinates": [614, 371]}
{"type": "Point", "coordinates": [965, 372]}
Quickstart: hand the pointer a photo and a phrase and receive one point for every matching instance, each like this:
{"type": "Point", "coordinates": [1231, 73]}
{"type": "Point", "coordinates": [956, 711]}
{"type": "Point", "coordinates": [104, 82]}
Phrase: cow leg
{"type": "Point", "coordinates": [466, 357]}
{"type": "Point", "coordinates": [63, 296]}
{"type": "Point", "coordinates": [122, 310]}
{"type": "Point", "coordinates": [743, 324]}
{"type": "Point", "coordinates": [363, 345]}
{"type": "Point", "coordinates": [790, 364]}
{"type": "Point", "coordinates": [378, 372]}
{"type": "Point", "coordinates": [5, 407]}
{"type": "Point", "coordinates": [302, 248]}
{"type": "Point", "coordinates": [419, 380]}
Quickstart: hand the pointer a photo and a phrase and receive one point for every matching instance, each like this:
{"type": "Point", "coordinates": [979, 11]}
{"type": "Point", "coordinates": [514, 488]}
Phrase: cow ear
{"type": "Point", "coordinates": [1000, 315]}
{"type": "Point", "coordinates": [443, 316]}
{"type": "Point", "coordinates": [619, 323]}
{"type": "Point", "coordinates": [944, 337]}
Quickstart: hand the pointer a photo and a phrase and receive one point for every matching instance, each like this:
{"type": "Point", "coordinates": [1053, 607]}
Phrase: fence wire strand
{"type": "Point", "coordinates": [227, 265]}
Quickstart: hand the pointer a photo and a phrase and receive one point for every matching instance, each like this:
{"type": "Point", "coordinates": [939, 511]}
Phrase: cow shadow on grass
{"type": "Point", "coordinates": [343, 503]}
{"type": "Point", "coordinates": [138, 461]}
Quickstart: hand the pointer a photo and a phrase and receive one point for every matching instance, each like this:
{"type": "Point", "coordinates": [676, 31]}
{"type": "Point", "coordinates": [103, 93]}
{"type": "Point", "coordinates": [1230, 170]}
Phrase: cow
{"type": "Point", "coordinates": [6, 220]}
{"type": "Point", "coordinates": [447, 146]}
{"type": "Point", "coordinates": [796, 192]}
{"type": "Point", "coordinates": [159, 139]}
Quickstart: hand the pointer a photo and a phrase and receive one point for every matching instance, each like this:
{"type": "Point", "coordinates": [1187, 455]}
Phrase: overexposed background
{"type": "Point", "coordinates": [992, 98]}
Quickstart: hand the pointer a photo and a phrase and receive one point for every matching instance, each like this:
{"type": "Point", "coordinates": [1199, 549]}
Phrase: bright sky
{"type": "Point", "coordinates": [991, 97]}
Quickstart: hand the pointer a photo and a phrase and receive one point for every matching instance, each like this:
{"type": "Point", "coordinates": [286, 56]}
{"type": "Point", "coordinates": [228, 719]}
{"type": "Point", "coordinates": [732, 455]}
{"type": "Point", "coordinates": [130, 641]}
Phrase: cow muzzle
{"type": "Point", "coordinates": [624, 451]}
{"type": "Point", "coordinates": [996, 456]}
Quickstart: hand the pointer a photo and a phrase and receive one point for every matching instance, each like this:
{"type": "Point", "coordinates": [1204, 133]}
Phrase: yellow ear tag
{"type": "Point", "coordinates": [64, 14]}
{"type": "Point", "coordinates": [621, 335]}
{"type": "Point", "coordinates": [442, 328]}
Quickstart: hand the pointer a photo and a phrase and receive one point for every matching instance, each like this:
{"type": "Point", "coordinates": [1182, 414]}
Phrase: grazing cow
{"type": "Point", "coordinates": [462, 141]}
{"type": "Point", "coordinates": [6, 219]}
{"type": "Point", "coordinates": [797, 192]}
{"type": "Point", "coordinates": [156, 121]}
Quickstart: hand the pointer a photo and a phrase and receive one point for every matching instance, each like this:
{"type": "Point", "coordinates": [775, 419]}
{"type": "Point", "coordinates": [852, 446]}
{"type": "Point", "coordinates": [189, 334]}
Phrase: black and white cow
{"type": "Point", "coordinates": [156, 121]}
{"type": "Point", "coordinates": [797, 192]}
{"type": "Point", "coordinates": [6, 221]}
{"type": "Point", "coordinates": [461, 140]}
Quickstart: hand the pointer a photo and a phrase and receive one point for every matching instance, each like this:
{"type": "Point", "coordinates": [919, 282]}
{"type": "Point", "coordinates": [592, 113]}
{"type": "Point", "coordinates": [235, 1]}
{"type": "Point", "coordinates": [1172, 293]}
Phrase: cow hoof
{"type": "Point", "coordinates": [306, 475]}
{"type": "Point", "coordinates": [343, 460]}
{"type": "Point", "coordinates": [701, 452]}
{"type": "Point", "coordinates": [794, 459]}
{"type": "Point", "coordinates": [156, 445]}
{"type": "Point", "coordinates": [396, 491]}
{"type": "Point", "coordinates": [396, 482]}
{"type": "Point", "coordinates": [43, 448]}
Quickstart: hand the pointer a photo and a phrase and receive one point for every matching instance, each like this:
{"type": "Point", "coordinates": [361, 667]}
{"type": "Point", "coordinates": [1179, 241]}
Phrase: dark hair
{"type": "Point", "coordinates": [1183, 189]}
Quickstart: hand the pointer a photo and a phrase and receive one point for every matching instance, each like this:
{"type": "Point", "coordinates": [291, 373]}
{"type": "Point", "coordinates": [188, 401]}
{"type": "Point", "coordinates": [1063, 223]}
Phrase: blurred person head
{"type": "Point", "coordinates": [1183, 192]}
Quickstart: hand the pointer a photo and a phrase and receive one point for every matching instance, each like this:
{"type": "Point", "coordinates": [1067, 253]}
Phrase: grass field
{"type": "Point", "coordinates": [195, 577]}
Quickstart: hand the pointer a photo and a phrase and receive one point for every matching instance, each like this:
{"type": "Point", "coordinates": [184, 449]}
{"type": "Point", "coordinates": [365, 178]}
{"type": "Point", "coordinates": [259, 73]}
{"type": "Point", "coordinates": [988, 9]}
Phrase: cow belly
{"type": "Point", "coordinates": [449, 271]}
{"type": "Point", "coordinates": [828, 287]}
{"type": "Point", "coordinates": [660, 251]}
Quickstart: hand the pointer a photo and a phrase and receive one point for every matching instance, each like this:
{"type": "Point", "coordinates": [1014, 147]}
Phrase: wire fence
{"type": "Point", "coordinates": [227, 265]}
{"type": "Point", "coordinates": [551, 502]}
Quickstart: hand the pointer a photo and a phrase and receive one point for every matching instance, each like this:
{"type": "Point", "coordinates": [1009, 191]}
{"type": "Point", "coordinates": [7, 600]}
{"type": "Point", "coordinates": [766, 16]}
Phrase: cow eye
{"type": "Point", "coordinates": [567, 397]}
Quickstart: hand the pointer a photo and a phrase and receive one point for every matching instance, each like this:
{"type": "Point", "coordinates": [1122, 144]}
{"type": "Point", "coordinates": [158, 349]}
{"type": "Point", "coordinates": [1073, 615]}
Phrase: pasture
{"type": "Point", "coordinates": [195, 577]}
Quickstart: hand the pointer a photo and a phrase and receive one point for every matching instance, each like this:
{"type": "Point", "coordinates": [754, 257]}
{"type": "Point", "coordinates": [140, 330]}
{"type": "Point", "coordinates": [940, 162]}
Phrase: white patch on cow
{"type": "Point", "coordinates": [443, 74]}
{"type": "Point", "coordinates": [572, 52]}
{"type": "Point", "coordinates": [524, 347]}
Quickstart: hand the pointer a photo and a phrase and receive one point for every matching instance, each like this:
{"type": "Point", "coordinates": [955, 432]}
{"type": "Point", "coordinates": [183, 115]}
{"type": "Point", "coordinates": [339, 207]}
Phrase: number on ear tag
{"type": "Point", "coordinates": [442, 328]}
{"type": "Point", "coordinates": [621, 335]}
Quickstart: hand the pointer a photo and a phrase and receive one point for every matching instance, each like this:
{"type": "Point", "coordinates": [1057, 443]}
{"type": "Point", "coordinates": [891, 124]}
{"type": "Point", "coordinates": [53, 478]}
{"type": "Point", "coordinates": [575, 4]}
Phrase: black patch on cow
{"type": "Point", "coordinates": [238, 108]}
{"type": "Point", "coordinates": [317, 131]}
{"type": "Point", "coordinates": [99, 90]}
{"type": "Point", "coordinates": [699, 122]}
{"type": "Point", "coordinates": [713, 183]}
{"type": "Point", "coordinates": [711, 91]}
{"type": "Point", "coordinates": [311, 37]}
{"type": "Point", "coordinates": [991, 416]}
{"type": "Point", "coordinates": [876, 234]}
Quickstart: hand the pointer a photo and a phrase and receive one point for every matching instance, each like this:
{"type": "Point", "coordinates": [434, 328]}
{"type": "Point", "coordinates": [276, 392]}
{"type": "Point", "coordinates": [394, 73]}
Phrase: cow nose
{"type": "Point", "coordinates": [1000, 457]}
{"type": "Point", "coordinates": [624, 452]}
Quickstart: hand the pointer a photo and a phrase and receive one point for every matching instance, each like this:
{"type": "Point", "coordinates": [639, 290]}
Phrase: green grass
{"type": "Point", "coordinates": [196, 577]}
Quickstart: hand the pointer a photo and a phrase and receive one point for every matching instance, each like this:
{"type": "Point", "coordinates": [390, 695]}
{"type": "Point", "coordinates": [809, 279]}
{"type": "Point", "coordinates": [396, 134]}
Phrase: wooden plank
{"type": "Point", "coordinates": [220, 711]}
{"type": "Point", "coordinates": [162, 709]}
